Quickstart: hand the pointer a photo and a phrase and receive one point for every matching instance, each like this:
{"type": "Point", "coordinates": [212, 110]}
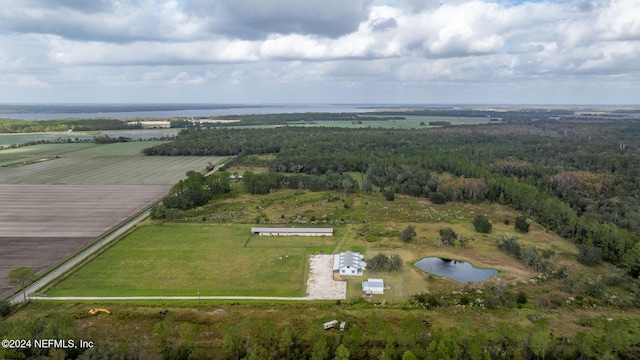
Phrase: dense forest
{"type": "Point", "coordinates": [579, 179]}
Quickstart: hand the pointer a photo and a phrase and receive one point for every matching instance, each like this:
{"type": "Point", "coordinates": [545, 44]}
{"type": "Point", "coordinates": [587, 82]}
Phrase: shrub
{"type": "Point", "coordinates": [437, 197]}
{"type": "Point", "coordinates": [408, 233]}
{"type": "Point", "coordinates": [521, 225]}
{"type": "Point", "coordinates": [5, 308]}
{"type": "Point", "coordinates": [589, 255]}
{"type": "Point", "coordinates": [521, 298]}
{"type": "Point", "coordinates": [491, 302]}
{"type": "Point", "coordinates": [482, 224]}
{"type": "Point", "coordinates": [390, 195]}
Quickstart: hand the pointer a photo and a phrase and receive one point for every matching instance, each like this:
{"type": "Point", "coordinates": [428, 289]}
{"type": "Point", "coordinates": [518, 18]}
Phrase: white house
{"type": "Point", "coordinates": [349, 263]}
{"type": "Point", "coordinates": [373, 286]}
{"type": "Point", "coordinates": [292, 231]}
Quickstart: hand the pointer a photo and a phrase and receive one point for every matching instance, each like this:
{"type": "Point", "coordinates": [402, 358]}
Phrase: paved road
{"type": "Point", "coordinates": [57, 272]}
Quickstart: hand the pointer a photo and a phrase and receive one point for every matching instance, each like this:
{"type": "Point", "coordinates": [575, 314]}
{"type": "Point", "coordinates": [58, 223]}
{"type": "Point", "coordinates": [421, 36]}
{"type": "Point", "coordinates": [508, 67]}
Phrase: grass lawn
{"type": "Point", "coordinates": [182, 259]}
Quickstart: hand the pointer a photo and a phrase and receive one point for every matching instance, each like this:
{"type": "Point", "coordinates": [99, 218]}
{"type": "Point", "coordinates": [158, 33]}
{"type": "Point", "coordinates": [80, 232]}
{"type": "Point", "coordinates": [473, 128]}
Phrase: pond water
{"type": "Point", "coordinates": [459, 271]}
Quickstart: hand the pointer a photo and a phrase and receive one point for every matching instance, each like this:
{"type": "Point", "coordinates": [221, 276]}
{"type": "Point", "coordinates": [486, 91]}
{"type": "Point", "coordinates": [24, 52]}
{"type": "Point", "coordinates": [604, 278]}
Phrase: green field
{"type": "Point", "coordinates": [148, 134]}
{"type": "Point", "coordinates": [118, 164]}
{"type": "Point", "coordinates": [179, 259]}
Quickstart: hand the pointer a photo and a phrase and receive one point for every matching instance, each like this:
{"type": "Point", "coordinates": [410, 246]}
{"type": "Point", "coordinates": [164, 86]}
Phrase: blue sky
{"type": "Point", "coordinates": [320, 51]}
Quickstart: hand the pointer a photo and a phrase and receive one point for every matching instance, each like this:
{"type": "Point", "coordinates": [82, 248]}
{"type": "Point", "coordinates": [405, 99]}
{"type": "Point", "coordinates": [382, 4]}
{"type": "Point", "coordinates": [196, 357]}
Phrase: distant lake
{"type": "Point", "coordinates": [459, 271]}
{"type": "Point", "coordinates": [49, 112]}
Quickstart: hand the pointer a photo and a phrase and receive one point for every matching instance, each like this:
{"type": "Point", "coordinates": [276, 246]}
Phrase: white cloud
{"type": "Point", "coordinates": [319, 45]}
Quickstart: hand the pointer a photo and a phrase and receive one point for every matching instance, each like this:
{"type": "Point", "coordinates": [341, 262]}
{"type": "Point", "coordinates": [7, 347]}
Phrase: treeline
{"type": "Point", "coordinates": [585, 189]}
{"type": "Point", "coordinates": [9, 126]}
{"type": "Point", "coordinates": [196, 190]}
{"type": "Point", "coordinates": [406, 336]}
{"type": "Point", "coordinates": [283, 119]}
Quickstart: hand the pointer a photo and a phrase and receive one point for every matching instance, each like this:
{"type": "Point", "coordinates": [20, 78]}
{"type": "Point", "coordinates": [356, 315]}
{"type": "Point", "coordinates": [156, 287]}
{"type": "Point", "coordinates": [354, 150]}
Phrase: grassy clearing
{"type": "Point", "coordinates": [180, 259]}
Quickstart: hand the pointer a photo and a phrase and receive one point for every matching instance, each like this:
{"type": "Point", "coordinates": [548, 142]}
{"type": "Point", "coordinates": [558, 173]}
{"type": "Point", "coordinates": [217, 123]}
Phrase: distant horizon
{"type": "Point", "coordinates": [274, 104]}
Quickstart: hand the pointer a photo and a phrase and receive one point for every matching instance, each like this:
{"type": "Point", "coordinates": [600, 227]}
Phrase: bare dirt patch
{"type": "Point", "coordinates": [320, 284]}
{"type": "Point", "coordinates": [42, 225]}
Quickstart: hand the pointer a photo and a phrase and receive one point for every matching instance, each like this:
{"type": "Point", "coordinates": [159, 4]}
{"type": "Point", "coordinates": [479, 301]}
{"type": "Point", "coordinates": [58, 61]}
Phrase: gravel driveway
{"type": "Point", "coordinates": [320, 285]}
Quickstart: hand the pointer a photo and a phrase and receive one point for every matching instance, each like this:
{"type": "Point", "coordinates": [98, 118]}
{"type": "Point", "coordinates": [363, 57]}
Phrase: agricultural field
{"type": "Point", "coordinates": [184, 259]}
{"type": "Point", "coordinates": [7, 140]}
{"type": "Point", "coordinates": [59, 198]}
{"type": "Point", "coordinates": [42, 225]}
{"type": "Point", "coordinates": [119, 163]}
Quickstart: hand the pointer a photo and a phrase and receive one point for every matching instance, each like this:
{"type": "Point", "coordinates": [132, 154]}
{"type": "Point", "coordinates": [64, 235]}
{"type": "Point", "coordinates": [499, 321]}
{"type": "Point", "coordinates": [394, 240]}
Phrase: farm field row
{"type": "Point", "coordinates": [42, 225]}
{"type": "Point", "coordinates": [187, 259]}
{"type": "Point", "coordinates": [10, 139]}
{"type": "Point", "coordinates": [119, 163]}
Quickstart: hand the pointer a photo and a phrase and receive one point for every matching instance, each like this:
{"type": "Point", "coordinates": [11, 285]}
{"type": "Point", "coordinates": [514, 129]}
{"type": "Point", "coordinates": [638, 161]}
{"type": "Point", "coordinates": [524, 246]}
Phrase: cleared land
{"type": "Point", "coordinates": [182, 259]}
{"type": "Point", "coordinates": [40, 225]}
{"type": "Point", "coordinates": [58, 198]}
{"type": "Point", "coordinates": [119, 163]}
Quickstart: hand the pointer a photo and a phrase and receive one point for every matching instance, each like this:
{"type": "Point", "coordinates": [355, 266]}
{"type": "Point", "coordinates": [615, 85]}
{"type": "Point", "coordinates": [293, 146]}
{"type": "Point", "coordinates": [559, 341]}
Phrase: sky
{"type": "Point", "coordinates": [320, 51]}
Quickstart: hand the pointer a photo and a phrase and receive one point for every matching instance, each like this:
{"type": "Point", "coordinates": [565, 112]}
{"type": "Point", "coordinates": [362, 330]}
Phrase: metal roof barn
{"type": "Point", "coordinates": [292, 231]}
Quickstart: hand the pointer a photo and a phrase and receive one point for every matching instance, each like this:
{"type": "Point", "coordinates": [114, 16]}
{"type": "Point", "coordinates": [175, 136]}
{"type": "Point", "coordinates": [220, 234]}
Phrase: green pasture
{"type": "Point", "coordinates": [10, 139]}
{"type": "Point", "coordinates": [137, 134]}
{"type": "Point", "coordinates": [182, 259]}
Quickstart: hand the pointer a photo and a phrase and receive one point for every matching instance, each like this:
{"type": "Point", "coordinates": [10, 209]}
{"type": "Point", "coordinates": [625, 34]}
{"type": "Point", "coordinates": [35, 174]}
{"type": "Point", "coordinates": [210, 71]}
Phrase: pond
{"type": "Point", "coordinates": [459, 271]}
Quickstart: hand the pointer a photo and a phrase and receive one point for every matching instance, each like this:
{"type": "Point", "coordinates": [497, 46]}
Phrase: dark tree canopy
{"type": "Point", "coordinates": [482, 224]}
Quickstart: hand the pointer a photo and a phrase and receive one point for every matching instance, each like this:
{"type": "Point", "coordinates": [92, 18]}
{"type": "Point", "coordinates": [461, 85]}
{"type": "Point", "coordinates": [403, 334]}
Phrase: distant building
{"type": "Point", "coordinates": [373, 286]}
{"type": "Point", "coordinates": [292, 231]}
{"type": "Point", "coordinates": [349, 263]}
{"type": "Point", "coordinates": [235, 178]}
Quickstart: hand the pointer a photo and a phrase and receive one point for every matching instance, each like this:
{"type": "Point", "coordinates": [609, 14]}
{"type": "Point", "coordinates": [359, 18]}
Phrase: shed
{"type": "Point", "coordinates": [276, 231]}
{"type": "Point", "coordinates": [373, 286]}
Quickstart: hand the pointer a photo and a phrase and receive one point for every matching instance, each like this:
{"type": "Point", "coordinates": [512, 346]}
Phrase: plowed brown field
{"type": "Point", "coordinates": [43, 225]}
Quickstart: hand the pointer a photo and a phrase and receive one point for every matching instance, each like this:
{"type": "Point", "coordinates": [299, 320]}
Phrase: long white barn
{"type": "Point", "coordinates": [292, 231]}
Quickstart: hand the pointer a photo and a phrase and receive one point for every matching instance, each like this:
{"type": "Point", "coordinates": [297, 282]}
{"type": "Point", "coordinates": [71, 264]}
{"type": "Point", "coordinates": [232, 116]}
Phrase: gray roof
{"type": "Point", "coordinates": [349, 259]}
{"type": "Point", "coordinates": [292, 230]}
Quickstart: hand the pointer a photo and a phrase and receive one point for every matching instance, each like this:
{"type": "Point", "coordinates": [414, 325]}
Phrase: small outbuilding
{"type": "Point", "coordinates": [373, 286]}
{"type": "Point", "coordinates": [292, 231]}
{"type": "Point", "coordinates": [330, 324]}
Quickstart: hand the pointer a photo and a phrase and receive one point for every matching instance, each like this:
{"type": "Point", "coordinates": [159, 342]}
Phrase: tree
{"type": "Point", "coordinates": [482, 224]}
{"type": "Point", "coordinates": [448, 236]}
{"type": "Point", "coordinates": [589, 255]}
{"type": "Point", "coordinates": [408, 355]}
{"type": "Point", "coordinates": [342, 353]}
{"type": "Point", "coordinates": [521, 225]}
{"type": "Point", "coordinates": [408, 233]}
{"type": "Point", "coordinates": [22, 277]}
{"type": "Point", "coordinates": [286, 343]}
{"type": "Point", "coordinates": [389, 194]}
{"type": "Point", "coordinates": [320, 349]}
{"type": "Point", "coordinates": [631, 261]}
{"type": "Point", "coordinates": [395, 263]}
{"type": "Point", "coordinates": [378, 263]}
